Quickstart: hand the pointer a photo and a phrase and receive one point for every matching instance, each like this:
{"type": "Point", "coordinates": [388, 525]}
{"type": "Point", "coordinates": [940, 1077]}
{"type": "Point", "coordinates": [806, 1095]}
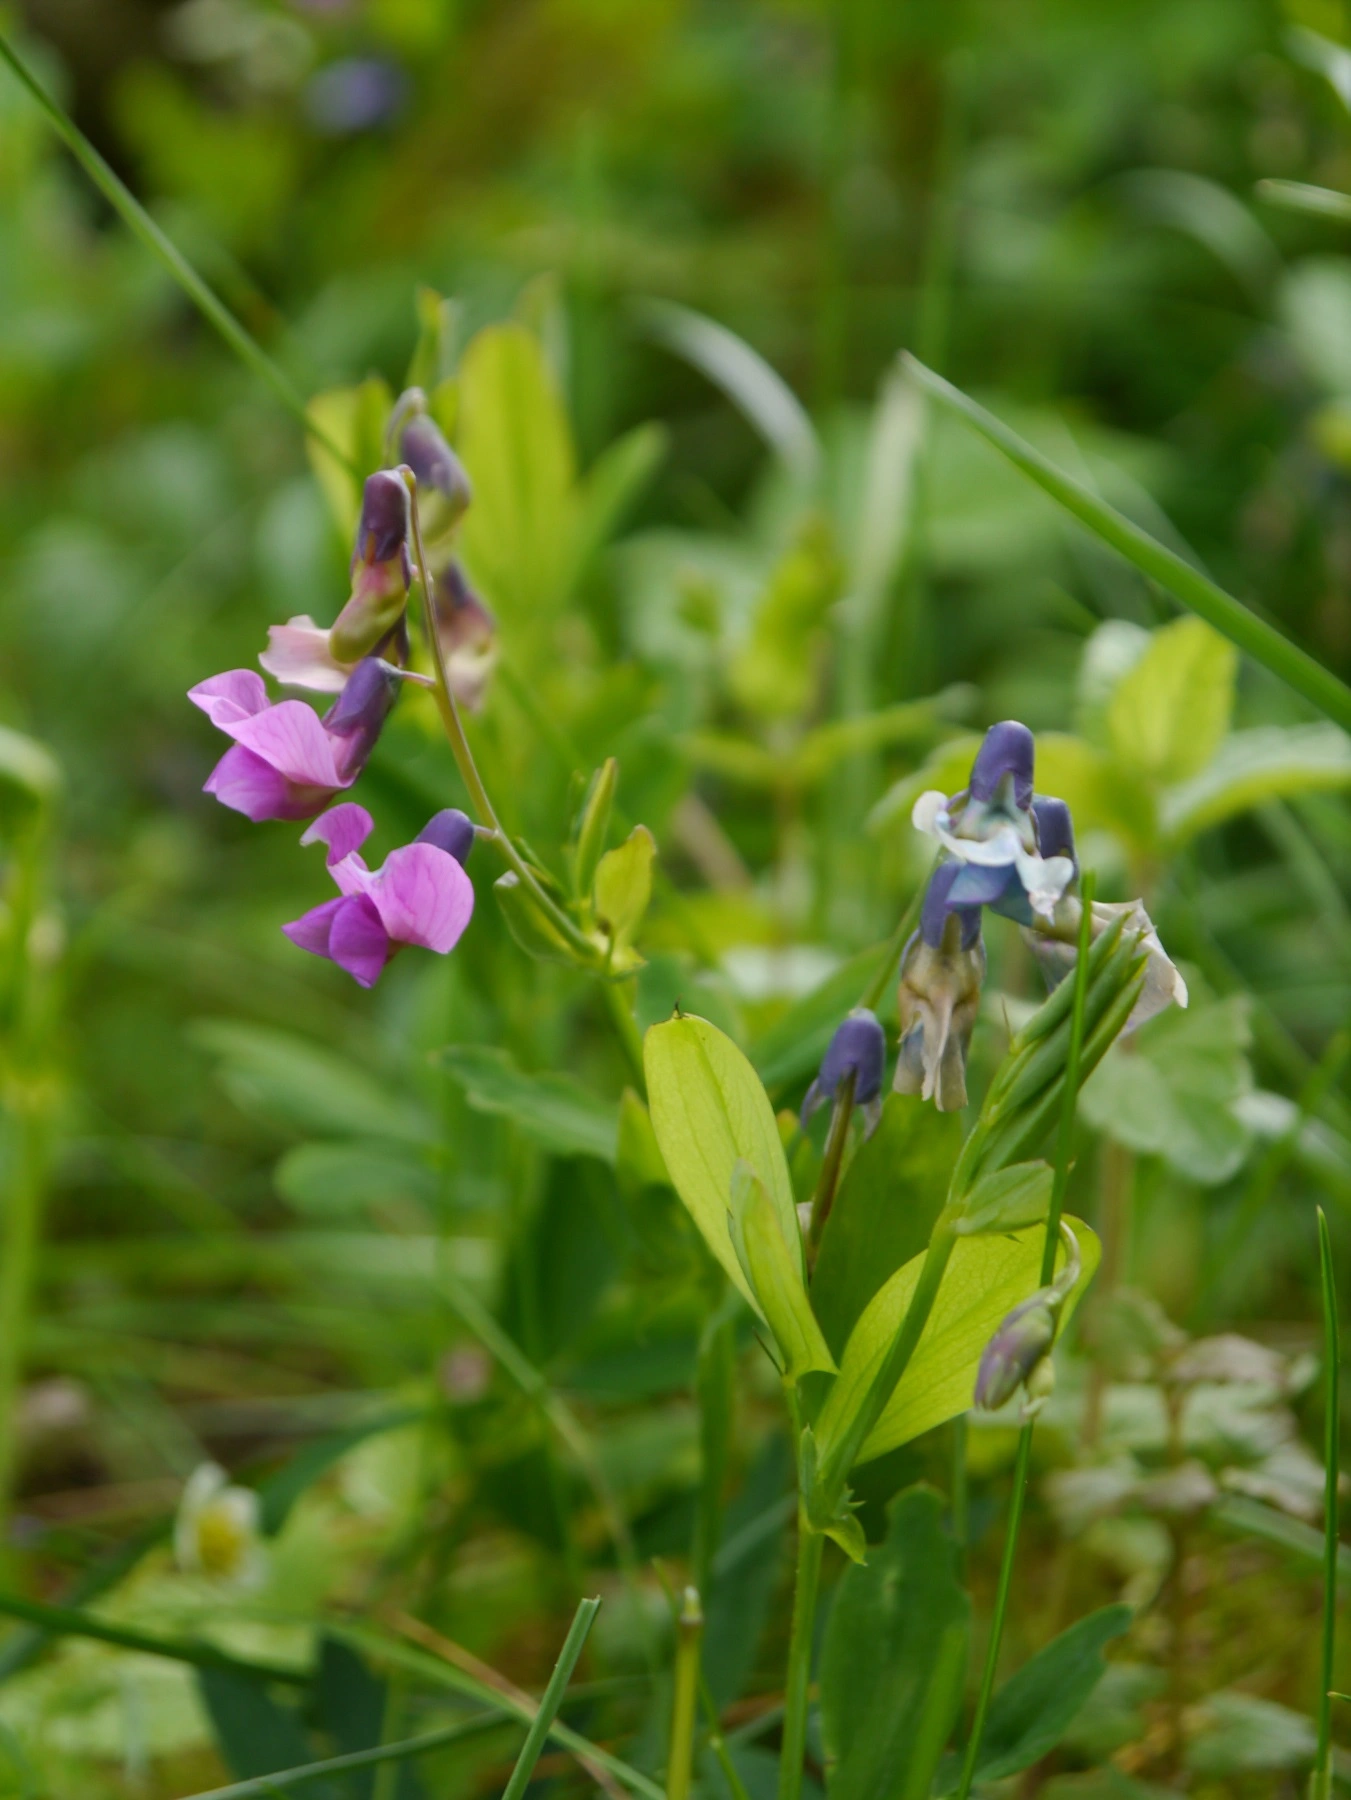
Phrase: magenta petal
{"type": "Point", "coordinates": [343, 828]}
{"type": "Point", "coordinates": [291, 738]}
{"type": "Point", "coordinates": [423, 896]}
{"type": "Point", "coordinates": [253, 787]}
{"type": "Point", "coordinates": [298, 655]}
{"type": "Point", "coordinates": [311, 931]}
{"type": "Point", "coordinates": [358, 942]}
{"type": "Point", "coordinates": [227, 699]}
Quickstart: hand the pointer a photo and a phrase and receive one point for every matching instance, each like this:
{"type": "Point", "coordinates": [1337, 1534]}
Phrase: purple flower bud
{"type": "Point", "coordinates": [1014, 1352]}
{"type": "Point", "coordinates": [1008, 750]}
{"type": "Point", "coordinates": [1055, 828]}
{"type": "Point", "coordinates": [439, 471]}
{"type": "Point", "coordinates": [450, 830]}
{"type": "Point", "coordinates": [359, 713]}
{"type": "Point", "coordinates": [859, 1047]}
{"type": "Point", "coordinates": [468, 634]}
{"type": "Point", "coordinates": [381, 569]}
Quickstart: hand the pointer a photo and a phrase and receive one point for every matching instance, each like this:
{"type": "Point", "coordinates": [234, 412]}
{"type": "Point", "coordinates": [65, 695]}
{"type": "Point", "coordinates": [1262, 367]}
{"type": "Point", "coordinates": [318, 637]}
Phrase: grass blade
{"type": "Point", "coordinates": [257, 1787]}
{"type": "Point", "coordinates": [551, 1700]}
{"type": "Point", "coordinates": [1322, 1782]}
{"type": "Point", "coordinates": [66, 1621]}
{"type": "Point", "coordinates": [1206, 599]}
{"type": "Point", "coordinates": [139, 222]}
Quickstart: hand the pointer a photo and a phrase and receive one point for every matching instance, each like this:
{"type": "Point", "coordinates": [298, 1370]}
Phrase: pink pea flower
{"type": "Point", "coordinates": [286, 762]}
{"type": "Point", "coordinates": [421, 895]}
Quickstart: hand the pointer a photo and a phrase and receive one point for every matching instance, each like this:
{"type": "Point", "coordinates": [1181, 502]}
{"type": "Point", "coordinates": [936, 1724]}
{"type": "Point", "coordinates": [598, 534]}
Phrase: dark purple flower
{"type": "Point", "coordinates": [354, 94]}
{"type": "Point", "coordinates": [381, 569]}
{"type": "Point", "coordinates": [287, 762]}
{"type": "Point", "coordinates": [420, 896]}
{"type": "Point", "coordinates": [859, 1047]}
{"type": "Point", "coordinates": [468, 634]}
{"type": "Point", "coordinates": [1006, 755]}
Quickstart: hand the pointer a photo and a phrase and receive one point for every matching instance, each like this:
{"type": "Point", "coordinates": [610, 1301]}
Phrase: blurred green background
{"type": "Point", "coordinates": [259, 1180]}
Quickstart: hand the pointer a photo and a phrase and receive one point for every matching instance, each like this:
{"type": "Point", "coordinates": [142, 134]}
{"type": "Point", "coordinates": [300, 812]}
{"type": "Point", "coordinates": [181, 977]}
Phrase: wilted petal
{"type": "Point", "coordinates": [358, 941]}
{"type": "Point", "coordinates": [423, 897]}
{"type": "Point", "coordinates": [298, 655]}
{"type": "Point", "coordinates": [311, 930]}
{"type": "Point", "coordinates": [1054, 942]}
{"type": "Point", "coordinates": [291, 738]}
{"type": "Point", "coordinates": [939, 999]}
{"type": "Point", "coordinates": [248, 785]}
{"type": "Point", "coordinates": [230, 698]}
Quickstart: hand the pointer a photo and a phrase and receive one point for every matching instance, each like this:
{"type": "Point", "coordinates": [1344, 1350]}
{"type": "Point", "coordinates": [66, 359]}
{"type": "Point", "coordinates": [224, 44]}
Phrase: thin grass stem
{"type": "Point", "coordinates": [810, 1545]}
{"type": "Point", "coordinates": [551, 1699]}
{"type": "Point", "coordinates": [1322, 1782]}
{"type": "Point", "coordinates": [685, 1698]}
{"type": "Point", "coordinates": [1022, 1461]}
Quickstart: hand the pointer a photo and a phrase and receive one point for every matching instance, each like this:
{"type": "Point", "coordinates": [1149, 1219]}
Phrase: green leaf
{"type": "Point", "coordinates": [1267, 763]}
{"type": "Point", "coordinates": [777, 671]}
{"type": "Point", "coordinates": [351, 420]}
{"type": "Point", "coordinates": [1171, 1090]}
{"type": "Point", "coordinates": [336, 1180]}
{"type": "Point", "coordinates": [256, 1735]}
{"type": "Point", "coordinates": [531, 927]}
{"type": "Point", "coordinates": [889, 1676]}
{"type": "Point", "coordinates": [638, 1158]}
{"type": "Point", "coordinates": [1007, 1200]}
{"type": "Point", "coordinates": [517, 448]}
{"type": "Point", "coordinates": [593, 824]}
{"type": "Point", "coordinates": [710, 1112]}
{"type": "Point", "coordinates": [985, 1279]}
{"type": "Point", "coordinates": [612, 485]}
{"type": "Point", "coordinates": [622, 890]}
{"type": "Point", "coordinates": [1170, 713]}
{"type": "Point", "coordinates": [773, 1268]}
{"type": "Point", "coordinates": [1032, 1711]}
{"type": "Point", "coordinates": [27, 767]}
{"type": "Point", "coordinates": [279, 1492]}
{"type": "Point", "coordinates": [1237, 1734]}
{"type": "Point", "coordinates": [892, 1192]}
{"type": "Point", "coordinates": [291, 1082]}
{"type": "Point", "coordinates": [554, 1110]}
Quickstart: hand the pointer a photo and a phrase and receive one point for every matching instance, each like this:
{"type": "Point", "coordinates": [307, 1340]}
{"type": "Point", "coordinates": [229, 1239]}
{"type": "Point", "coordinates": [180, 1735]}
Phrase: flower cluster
{"type": "Point", "coordinates": [287, 761]}
{"type": "Point", "coordinates": [1011, 850]}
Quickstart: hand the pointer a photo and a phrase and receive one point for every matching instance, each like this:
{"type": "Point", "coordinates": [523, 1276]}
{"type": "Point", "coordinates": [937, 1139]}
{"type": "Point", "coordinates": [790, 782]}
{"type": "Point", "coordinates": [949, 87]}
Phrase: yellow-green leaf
{"type": "Point", "coordinates": [623, 886]}
{"type": "Point", "coordinates": [710, 1112]}
{"type": "Point", "coordinates": [1267, 763]}
{"type": "Point", "coordinates": [985, 1279]}
{"type": "Point", "coordinates": [774, 1272]}
{"type": "Point", "coordinates": [1170, 713]}
{"type": "Point", "coordinates": [354, 419]}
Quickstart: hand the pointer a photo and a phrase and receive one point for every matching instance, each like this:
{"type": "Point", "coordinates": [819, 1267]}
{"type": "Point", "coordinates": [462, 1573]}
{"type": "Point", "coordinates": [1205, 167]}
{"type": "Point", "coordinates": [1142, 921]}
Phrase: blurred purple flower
{"type": "Point", "coordinates": [420, 896]}
{"type": "Point", "coordinates": [1023, 1339]}
{"type": "Point", "coordinates": [356, 93]}
{"type": "Point", "coordinates": [286, 762]}
{"type": "Point", "coordinates": [444, 491]}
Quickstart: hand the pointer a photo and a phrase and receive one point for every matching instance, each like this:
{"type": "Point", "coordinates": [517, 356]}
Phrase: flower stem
{"type": "Point", "coordinates": [464, 756]}
{"type": "Point", "coordinates": [829, 1179]}
{"type": "Point", "coordinates": [626, 1029]}
{"type": "Point", "coordinates": [689, 1635]}
{"type": "Point", "coordinates": [1322, 1782]}
{"type": "Point", "coordinates": [1022, 1461]}
{"type": "Point", "coordinates": [810, 1545]}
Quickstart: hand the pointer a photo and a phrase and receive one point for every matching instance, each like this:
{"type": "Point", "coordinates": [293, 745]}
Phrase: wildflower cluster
{"type": "Point", "coordinates": [287, 761]}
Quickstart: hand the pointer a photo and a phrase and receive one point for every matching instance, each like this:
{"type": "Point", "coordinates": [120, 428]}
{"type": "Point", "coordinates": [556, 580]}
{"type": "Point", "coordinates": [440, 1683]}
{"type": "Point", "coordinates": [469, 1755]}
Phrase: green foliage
{"type": "Point", "coordinates": [894, 1657]}
{"type": "Point", "coordinates": [555, 1111]}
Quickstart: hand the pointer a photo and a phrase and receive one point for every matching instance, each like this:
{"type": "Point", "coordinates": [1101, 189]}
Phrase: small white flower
{"type": "Point", "coordinates": [216, 1533]}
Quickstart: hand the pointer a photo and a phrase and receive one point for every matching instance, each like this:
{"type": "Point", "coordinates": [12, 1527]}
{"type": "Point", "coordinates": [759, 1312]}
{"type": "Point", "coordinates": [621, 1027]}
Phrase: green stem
{"type": "Point", "coordinates": [139, 222]}
{"type": "Point", "coordinates": [717, 1743]}
{"type": "Point", "coordinates": [1322, 1787]}
{"type": "Point", "coordinates": [1022, 1461]}
{"type": "Point", "coordinates": [264, 1787]}
{"type": "Point", "coordinates": [551, 1700]}
{"type": "Point", "coordinates": [810, 1545]}
{"type": "Point", "coordinates": [829, 1179]}
{"type": "Point", "coordinates": [684, 1701]}
{"type": "Point", "coordinates": [626, 1030]}
{"type": "Point", "coordinates": [1206, 598]}
{"type": "Point", "coordinates": [23, 1210]}
{"type": "Point", "coordinates": [464, 756]}
{"type": "Point", "coordinates": [62, 1621]}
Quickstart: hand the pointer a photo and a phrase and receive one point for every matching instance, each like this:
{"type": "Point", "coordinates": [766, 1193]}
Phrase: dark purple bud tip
{"type": "Point", "coordinates": [451, 831]}
{"type": "Point", "coordinates": [858, 1048]}
{"type": "Point", "coordinates": [944, 897]}
{"type": "Point", "coordinates": [1008, 750]}
{"type": "Point", "coordinates": [364, 704]}
{"type": "Point", "coordinates": [1015, 1350]}
{"type": "Point", "coordinates": [433, 461]}
{"type": "Point", "coordinates": [382, 530]}
{"type": "Point", "coordinates": [1055, 828]}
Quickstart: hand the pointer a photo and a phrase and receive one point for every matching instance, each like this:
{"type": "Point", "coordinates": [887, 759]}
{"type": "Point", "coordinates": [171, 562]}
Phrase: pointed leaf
{"type": "Point", "coordinates": [1267, 763]}
{"type": "Point", "coordinates": [1170, 713]}
{"type": "Point", "coordinates": [985, 1279]}
{"type": "Point", "coordinates": [1006, 1200]}
{"type": "Point", "coordinates": [774, 1272]}
{"type": "Point", "coordinates": [623, 886]}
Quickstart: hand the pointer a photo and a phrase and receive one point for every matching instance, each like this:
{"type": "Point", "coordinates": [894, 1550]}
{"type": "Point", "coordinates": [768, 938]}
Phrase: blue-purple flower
{"type": "Point", "coordinates": [858, 1048]}
{"type": "Point", "coordinates": [286, 762]}
{"type": "Point", "coordinates": [421, 895]}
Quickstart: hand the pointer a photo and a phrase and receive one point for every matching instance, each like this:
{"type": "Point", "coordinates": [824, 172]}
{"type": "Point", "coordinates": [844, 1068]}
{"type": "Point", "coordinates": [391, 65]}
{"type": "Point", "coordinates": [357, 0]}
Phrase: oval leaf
{"type": "Point", "coordinates": [773, 1268]}
{"type": "Point", "coordinates": [710, 1112]}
